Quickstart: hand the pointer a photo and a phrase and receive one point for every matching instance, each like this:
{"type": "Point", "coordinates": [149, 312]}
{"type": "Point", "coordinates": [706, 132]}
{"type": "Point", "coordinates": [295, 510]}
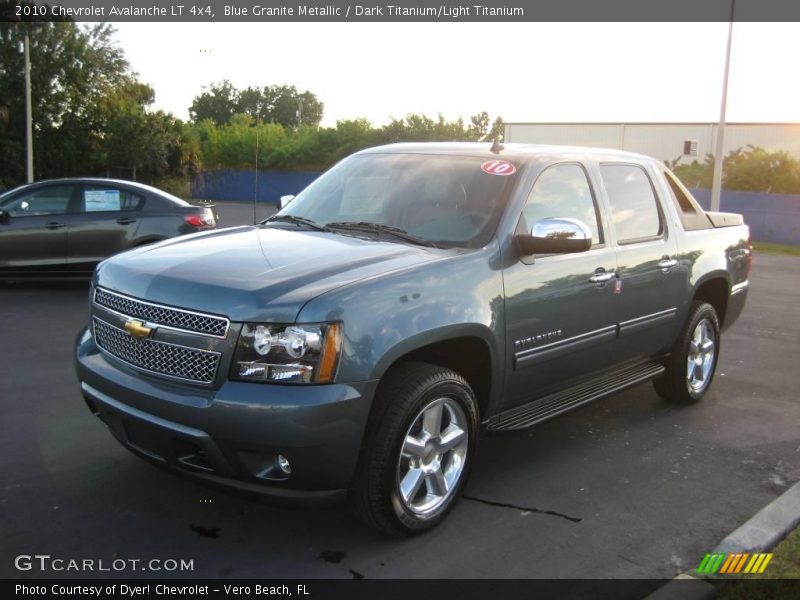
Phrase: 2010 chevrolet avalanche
{"type": "Point", "coordinates": [412, 298]}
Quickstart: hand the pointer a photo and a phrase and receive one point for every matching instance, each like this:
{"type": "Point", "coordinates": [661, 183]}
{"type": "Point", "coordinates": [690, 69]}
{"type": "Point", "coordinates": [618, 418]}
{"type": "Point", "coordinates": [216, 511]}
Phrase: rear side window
{"type": "Point", "coordinates": [634, 209]}
{"type": "Point", "coordinates": [563, 191]}
{"type": "Point", "coordinates": [102, 199]}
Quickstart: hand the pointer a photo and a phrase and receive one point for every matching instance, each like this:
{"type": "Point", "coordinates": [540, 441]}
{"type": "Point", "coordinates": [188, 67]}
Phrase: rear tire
{"type": "Point", "coordinates": [693, 359]}
{"type": "Point", "coordinates": [418, 449]}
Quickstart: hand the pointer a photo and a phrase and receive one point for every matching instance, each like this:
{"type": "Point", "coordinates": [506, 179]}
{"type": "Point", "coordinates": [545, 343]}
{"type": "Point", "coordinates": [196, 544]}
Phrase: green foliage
{"type": "Point", "coordinates": [758, 170]}
{"type": "Point", "coordinates": [90, 113]}
{"type": "Point", "coordinates": [748, 169]}
{"type": "Point", "coordinates": [92, 116]}
{"type": "Point", "coordinates": [72, 69]}
{"type": "Point", "coordinates": [281, 104]}
{"type": "Point", "coordinates": [233, 145]}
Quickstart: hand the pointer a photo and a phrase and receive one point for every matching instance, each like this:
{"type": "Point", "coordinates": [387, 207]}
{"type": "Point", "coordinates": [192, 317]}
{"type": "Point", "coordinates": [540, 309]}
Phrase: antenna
{"type": "Point", "coordinates": [496, 146]}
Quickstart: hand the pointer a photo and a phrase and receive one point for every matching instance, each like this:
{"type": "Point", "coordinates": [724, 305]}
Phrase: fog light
{"type": "Point", "coordinates": [283, 463]}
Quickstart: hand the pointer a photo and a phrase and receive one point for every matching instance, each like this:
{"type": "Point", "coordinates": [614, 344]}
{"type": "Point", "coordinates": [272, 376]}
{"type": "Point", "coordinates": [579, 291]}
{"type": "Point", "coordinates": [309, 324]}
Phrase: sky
{"type": "Point", "coordinates": [524, 72]}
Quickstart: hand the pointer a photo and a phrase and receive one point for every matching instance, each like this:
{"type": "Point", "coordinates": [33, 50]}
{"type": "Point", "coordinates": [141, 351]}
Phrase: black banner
{"type": "Point", "coordinates": [400, 10]}
{"type": "Point", "coordinates": [325, 589]}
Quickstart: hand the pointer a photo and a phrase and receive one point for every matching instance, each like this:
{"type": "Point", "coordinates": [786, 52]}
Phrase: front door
{"type": "Point", "coordinates": [560, 309]}
{"type": "Point", "coordinates": [35, 234]}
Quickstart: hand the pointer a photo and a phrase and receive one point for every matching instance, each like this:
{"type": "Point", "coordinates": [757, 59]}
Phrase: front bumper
{"type": "Point", "coordinates": [233, 434]}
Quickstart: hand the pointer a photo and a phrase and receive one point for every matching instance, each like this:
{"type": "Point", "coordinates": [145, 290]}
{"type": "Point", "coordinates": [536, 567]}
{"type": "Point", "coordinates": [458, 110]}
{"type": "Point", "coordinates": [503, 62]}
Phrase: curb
{"type": "Point", "coordinates": [768, 527]}
{"type": "Point", "coordinates": [763, 531]}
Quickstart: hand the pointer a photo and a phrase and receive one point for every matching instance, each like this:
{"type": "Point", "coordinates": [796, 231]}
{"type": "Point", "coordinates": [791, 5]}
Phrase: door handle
{"type": "Point", "coordinates": [54, 225]}
{"type": "Point", "coordinates": [601, 277]}
{"type": "Point", "coordinates": [125, 221]}
{"type": "Point", "coordinates": [666, 263]}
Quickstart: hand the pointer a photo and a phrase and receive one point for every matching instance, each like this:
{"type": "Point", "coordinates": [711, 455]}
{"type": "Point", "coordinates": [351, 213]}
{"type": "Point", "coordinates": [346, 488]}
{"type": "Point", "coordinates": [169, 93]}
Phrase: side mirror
{"type": "Point", "coordinates": [5, 218]}
{"type": "Point", "coordinates": [562, 235]}
{"type": "Point", "coordinates": [286, 199]}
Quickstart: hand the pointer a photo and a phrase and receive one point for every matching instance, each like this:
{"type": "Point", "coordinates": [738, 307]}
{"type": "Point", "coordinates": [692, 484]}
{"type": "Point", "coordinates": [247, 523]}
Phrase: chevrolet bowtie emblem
{"type": "Point", "coordinates": [137, 329]}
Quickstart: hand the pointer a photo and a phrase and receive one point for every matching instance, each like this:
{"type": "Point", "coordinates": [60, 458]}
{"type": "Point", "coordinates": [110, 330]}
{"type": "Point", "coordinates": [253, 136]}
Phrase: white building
{"type": "Point", "coordinates": [664, 141]}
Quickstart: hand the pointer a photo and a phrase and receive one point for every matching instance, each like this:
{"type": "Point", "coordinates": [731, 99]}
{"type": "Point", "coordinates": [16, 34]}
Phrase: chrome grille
{"type": "Point", "coordinates": [162, 315]}
{"type": "Point", "coordinates": [158, 357]}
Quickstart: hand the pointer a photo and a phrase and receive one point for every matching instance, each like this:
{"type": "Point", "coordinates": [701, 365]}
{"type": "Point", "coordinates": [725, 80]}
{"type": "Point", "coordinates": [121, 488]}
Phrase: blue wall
{"type": "Point", "coordinates": [241, 185]}
{"type": "Point", "coordinates": [771, 217]}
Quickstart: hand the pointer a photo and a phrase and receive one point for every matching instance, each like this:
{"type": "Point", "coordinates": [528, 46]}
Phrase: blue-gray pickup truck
{"type": "Point", "coordinates": [413, 298]}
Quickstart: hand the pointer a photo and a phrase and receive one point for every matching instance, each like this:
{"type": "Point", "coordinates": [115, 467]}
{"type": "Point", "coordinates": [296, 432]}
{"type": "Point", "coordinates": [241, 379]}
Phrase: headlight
{"type": "Point", "coordinates": [287, 353]}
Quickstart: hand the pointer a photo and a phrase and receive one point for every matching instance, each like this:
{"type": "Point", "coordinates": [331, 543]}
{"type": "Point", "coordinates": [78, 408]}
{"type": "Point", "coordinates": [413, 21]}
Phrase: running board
{"type": "Point", "coordinates": [544, 408]}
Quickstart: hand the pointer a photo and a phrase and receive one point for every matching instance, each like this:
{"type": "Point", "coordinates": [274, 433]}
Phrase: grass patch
{"type": "Point", "coordinates": [778, 581]}
{"type": "Point", "coordinates": [770, 248]}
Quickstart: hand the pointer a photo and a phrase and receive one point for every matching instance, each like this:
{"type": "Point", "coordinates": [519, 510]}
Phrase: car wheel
{"type": "Point", "coordinates": [418, 449]}
{"type": "Point", "coordinates": [693, 360]}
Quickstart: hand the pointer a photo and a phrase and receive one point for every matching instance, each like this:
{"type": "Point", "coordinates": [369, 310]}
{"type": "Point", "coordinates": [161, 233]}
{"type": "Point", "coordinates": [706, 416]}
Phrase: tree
{"type": "Point", "coordinates": [423, 128]}
{"type": "Point", "coordinates": [285, 105]}
{"type": "Point", "coordinates": [219, 103]}
{"type": "Point", "coordinates": [750, 169]}
{"type": "Point", "coordinates": [759, 170]}
{"type": "Point", "coordinates": [150, 144]}
{"type": "Point", "coordinates": [73, 67]}
{"type": "Point", "coordinates": [281, 104]}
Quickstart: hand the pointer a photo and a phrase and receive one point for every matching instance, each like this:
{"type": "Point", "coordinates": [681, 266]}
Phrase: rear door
{"type": "Point", "coordinates": [35, 236]}
{"type": "Point", "coordinates": [106, 223]}
{"type": "Point", "coordinates": [652, 282]}
{"type": "Point", "coordinates": [560, 309]}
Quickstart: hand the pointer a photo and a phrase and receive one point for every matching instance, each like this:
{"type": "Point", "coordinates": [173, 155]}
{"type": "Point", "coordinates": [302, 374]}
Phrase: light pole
{"type": "Point", "coordinates": [28, 109]}
{"type": "Point", "coordinates": [255, 187]}
{"type": "Point", "coordinates": [716, 185]}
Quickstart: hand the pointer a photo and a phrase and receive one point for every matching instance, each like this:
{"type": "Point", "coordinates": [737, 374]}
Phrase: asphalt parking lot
{"type": "Point", "coordinates": [630, 487]}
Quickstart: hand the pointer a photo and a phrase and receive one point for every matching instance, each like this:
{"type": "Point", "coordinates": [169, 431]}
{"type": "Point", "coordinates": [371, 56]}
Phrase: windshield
{"type": "Point", "coordinates": [446, 200]}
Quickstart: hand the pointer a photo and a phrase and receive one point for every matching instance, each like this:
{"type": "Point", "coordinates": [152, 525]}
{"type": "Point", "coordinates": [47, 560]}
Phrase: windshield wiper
{"type": "Point", "coordinates": [381, 228]}
{"type": "Point", "coordinates": [302, 221]}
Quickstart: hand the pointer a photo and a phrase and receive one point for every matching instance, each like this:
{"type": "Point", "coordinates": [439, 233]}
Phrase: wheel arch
{"type": "Point", "coordinates": [466, 349]}
{"type": "Point", "coordinates": [715, 290]}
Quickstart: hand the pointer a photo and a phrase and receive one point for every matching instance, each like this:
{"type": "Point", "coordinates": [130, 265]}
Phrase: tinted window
{"type": "Point", "coordinates": [51, 200]}
{"type": "Point", "coordinates": [563, 191]}
{"type": "Point", "coordinates": [98, 199]}
{"type": "Point", "coordinates": [449, 200]}
{"type": "Point", "coordinates": [634, 210]}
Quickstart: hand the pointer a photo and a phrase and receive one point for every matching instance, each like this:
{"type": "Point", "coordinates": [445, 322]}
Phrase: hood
{"type": "Point", "coordinates": [253, 273]}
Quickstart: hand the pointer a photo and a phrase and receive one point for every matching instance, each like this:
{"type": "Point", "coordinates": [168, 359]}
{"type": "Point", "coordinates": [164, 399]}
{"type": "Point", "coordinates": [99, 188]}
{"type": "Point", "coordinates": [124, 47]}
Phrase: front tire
{"type": "Point", "coordinates": [693, 360]}
{"type": "Point", "coordinates": [418, 449]}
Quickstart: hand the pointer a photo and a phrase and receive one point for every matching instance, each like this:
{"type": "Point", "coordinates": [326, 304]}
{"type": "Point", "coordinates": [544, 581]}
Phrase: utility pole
{"type": "Point", "coordinates": [28, 108]}
{"type": "Point", "coordinates": [716, 186]}
{"type": "Point", "coordinates": [255, 190]}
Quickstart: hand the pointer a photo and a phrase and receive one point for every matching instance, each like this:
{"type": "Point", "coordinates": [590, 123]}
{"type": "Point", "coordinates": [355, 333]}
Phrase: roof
{"type": "Point", "coordinates": [100, 181]}
{"type": "Point", "coordinates": [511, 150]}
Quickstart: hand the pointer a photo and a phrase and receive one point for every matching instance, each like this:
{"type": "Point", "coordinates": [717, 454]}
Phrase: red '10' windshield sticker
{"type": "Point", "coordinates": [498, 167]}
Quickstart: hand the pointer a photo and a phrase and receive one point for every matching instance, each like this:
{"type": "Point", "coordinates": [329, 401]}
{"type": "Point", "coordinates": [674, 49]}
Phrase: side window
{"type": "Point", "coordinates": [100, 199]}
{"type": "Point", "coordinates": [51, 200]}
{"type": "Point", "coordinates": [563, 191]}
{"type": "Point", "coordinates": [634, 209]}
